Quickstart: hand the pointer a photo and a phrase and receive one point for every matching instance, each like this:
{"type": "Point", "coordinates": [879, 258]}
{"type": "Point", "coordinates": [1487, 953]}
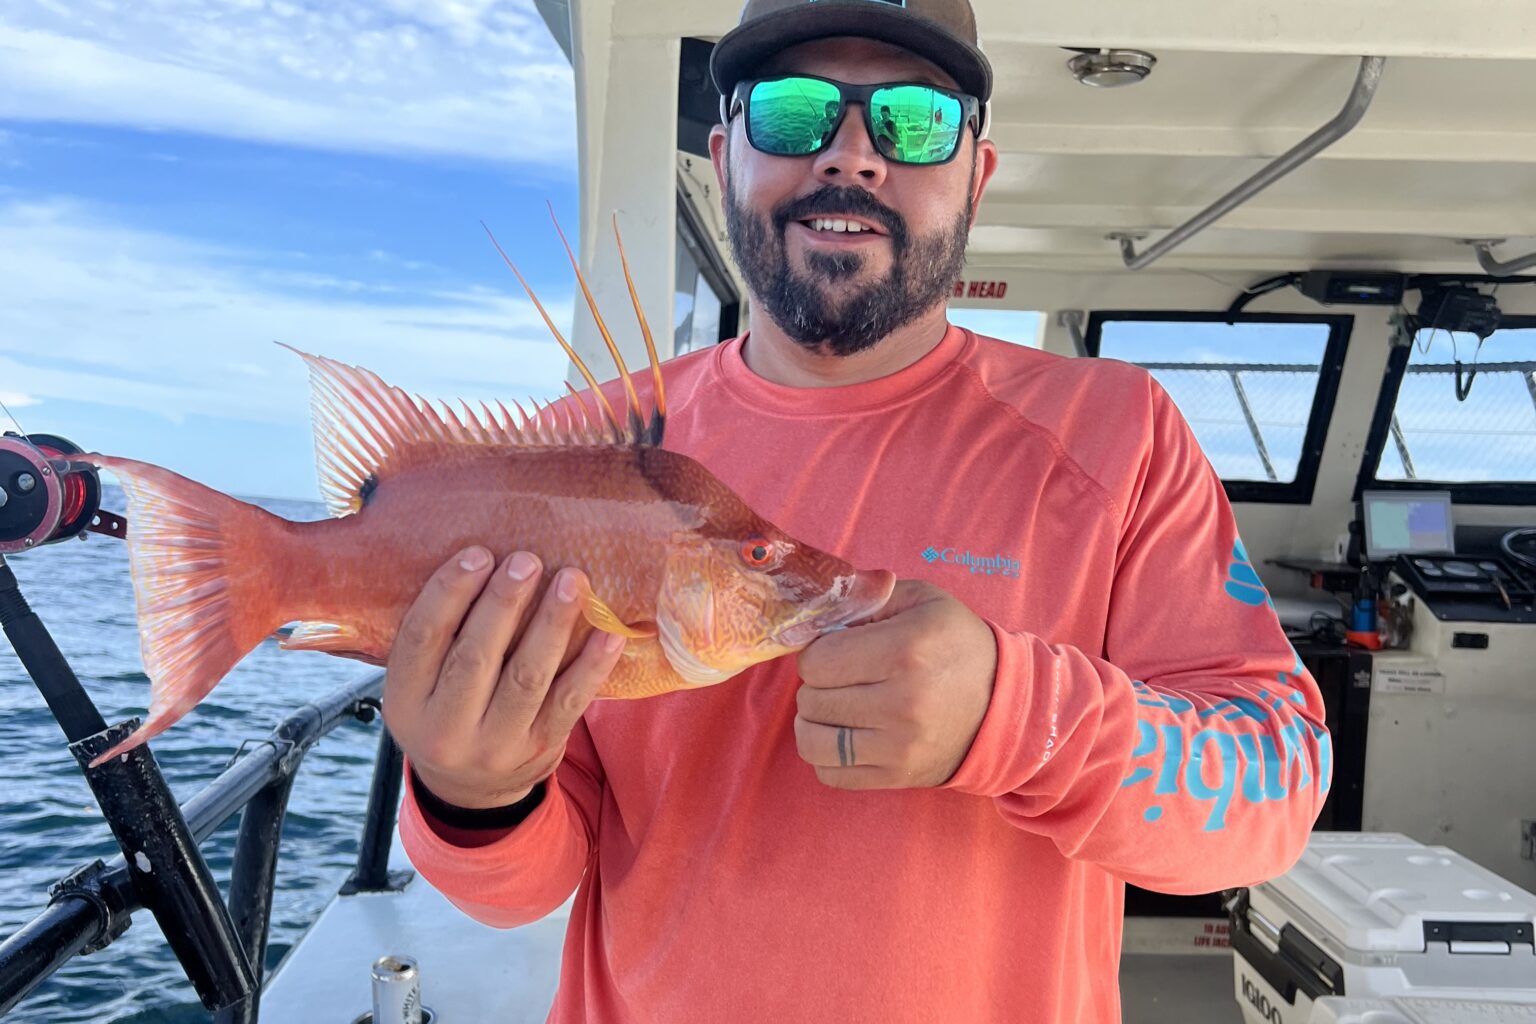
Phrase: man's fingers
{"type": "Point", "coordinates": [430, 624]}
{"type": "Point", "coordinates": [578, 684]}
{"type": "Point", "coordinates": [536, 659]}
{"type": "Point", "coordinates": [864, 705]}
{"type": "Point", "coordinates": [474, 659]}
{"type": "Point", "coordinates": [858, 654]}
{"type": "Point", "coordinates": [840, 746]}
{"type": "Point", "coordinates": [906, 595]}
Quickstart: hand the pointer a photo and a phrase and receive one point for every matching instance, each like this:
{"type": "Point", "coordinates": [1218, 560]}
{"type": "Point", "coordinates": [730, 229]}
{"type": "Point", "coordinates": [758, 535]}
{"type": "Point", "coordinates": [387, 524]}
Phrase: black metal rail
{"type": "Point", "coordinates": [94, 904]}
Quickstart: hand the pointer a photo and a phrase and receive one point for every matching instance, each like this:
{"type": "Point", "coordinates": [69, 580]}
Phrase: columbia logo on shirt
{"type": "Point", "coordinates": [977, 565]}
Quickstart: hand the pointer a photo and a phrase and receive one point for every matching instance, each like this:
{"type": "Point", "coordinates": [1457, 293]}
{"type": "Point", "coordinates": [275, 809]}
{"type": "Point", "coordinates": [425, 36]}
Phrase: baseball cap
{"type": "Point", "coordinates": [943, 31]}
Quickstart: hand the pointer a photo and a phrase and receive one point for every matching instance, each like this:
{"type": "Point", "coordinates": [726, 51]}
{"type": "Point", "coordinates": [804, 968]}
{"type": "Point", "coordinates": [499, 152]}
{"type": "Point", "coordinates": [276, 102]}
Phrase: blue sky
{"type": "Point", "coordinates": [186, 184]}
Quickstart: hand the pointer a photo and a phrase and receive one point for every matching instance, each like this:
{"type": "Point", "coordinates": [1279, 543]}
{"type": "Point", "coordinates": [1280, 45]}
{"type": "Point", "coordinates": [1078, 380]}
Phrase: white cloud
{"type": "Point", "coordinates": [152, 323]}
{"type": "Point", "coordinates": [16, 400]}
{"type": "Point", "coordinates": [478, 78]}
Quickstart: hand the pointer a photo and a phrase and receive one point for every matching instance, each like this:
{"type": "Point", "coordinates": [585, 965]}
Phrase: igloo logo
{"type": "Point", "coordinates": [1259, 1001]}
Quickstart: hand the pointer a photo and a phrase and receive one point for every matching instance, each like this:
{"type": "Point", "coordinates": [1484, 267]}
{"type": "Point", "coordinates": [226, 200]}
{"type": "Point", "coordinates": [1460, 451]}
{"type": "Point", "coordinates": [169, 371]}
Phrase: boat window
{"type": "Point", "coordinates": [1020, 326]}
{"type": "Point", "coordinates": [1474, 427]}
{"type": "Point", "coordinates": [704, 305]}
{"type": "Point", "coordinates": [1257, 392]}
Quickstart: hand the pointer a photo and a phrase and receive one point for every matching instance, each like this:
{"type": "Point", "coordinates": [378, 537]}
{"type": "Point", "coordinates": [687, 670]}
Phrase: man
{"type": "Point", "coordinates": [888, 134]}
{"type": "Point", "coordinates": [824, 129]}
{"type": "Point", "coordinates": [1077, 683]}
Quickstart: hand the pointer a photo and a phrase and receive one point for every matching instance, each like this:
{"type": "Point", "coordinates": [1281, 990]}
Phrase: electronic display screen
{"type": "Point", "coordinates": [1407, 523]}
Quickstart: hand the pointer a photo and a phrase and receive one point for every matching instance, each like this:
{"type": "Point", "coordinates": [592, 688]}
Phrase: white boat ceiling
{"type": "Point", "coordinates": [1446, 151]}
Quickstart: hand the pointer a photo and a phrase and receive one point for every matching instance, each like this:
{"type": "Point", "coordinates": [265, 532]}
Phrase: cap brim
{"type": "Point", "coordinates": [744, 48]}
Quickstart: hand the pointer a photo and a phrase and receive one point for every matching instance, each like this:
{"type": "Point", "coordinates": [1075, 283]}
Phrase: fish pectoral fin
{"type": "Point", "coordinates": [320, 636]}
{"type": "Point", "coordinates": [603, 618]}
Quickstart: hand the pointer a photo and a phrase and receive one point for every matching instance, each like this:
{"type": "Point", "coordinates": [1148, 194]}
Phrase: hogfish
{"type": "Point", "coordinates": [701, 586]}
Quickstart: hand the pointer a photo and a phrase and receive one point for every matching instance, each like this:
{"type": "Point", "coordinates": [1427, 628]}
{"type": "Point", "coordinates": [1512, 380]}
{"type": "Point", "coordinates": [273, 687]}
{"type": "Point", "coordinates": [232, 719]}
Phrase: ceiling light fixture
{"type": "Point", "coordinates": [1110, 69]}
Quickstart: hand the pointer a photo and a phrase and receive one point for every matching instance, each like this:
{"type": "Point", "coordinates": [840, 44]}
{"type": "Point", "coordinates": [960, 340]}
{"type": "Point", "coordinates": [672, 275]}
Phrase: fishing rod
{"type": "Point", "coordinates": [47, 497]}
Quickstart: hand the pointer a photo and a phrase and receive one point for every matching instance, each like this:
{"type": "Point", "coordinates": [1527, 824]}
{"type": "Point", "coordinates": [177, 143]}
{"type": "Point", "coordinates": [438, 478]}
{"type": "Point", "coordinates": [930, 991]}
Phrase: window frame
{"type": "Point", "coordinates": [1506, 492]}
{"type": "Point", "coordinates": [1340, 326]}
{"type": "Point", "coordinates": [690, 233]}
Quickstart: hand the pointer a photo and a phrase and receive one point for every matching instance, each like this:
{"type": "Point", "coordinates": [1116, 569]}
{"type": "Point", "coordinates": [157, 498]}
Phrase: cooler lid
{"type": "Point", "coordinates": [1414, 1010]}
{"type": "Point", "coordinates": [1379, 892]}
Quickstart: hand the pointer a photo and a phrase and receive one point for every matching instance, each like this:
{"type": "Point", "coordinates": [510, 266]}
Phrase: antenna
{"type": "Point", "coordinates": [12, 417]}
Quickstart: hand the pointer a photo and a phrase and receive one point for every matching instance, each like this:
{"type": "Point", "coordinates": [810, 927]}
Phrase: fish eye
{"type": "Point", "coordinates": [756, 551]}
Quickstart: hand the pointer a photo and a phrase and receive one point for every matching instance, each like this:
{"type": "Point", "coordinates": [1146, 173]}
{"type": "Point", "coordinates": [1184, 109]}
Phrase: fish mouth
{"type": "Point", "coordinates": [867, 595]}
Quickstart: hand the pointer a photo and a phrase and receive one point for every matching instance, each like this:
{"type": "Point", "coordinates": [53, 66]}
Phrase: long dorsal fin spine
{"type": "Point", "coordinates": [659, 416]}
{"type": "Point", "coordinates": [569, 351]}
{"type": "Point", "coordinates": [632, 400]}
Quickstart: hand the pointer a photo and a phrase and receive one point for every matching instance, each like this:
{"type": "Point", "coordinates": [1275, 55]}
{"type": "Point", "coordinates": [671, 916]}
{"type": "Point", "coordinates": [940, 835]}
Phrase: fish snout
{"type": "Point", "coordinates": [865, 596]}
{"type": "Point", "coordinates": [871, 589]}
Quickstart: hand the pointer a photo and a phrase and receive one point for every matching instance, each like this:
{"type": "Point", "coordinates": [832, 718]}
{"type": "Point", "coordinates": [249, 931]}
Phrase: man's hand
{"type": "Point", "coordinates": [896, 703]}
{"type": "Point", "coordinates": [482, 703]}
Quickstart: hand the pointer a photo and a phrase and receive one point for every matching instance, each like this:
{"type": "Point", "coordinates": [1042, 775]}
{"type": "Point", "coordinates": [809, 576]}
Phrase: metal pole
{"type": "Point", "coordinates": [66, 698]}
{"type": "Point", "coordinates": [167, 869]}
{"type": "Point", "coordinates": [1497, 267]}
{"type": "Point", "coordinates": [1402, 449]}
{"type": "Point", "coordinates": [250, 887]}
{"type": "Point", "coordinates": [1355, 107]}
{"type": "Point", "coordinates": [372, 874]}
{"type": "Point", "coordinates": [92, 906]}
{"type": "Point", "coordinates": [1253, 426]}
{"type": "Point", "coordinates": [42, 946]}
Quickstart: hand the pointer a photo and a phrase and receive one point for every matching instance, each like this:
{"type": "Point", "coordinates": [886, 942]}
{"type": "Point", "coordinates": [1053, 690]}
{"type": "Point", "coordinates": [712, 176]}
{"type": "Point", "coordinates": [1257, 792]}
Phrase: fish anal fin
{"type": "Point", "coordinates": [321, 636]}
{"type": "Point", "coordinates": [602, 617]}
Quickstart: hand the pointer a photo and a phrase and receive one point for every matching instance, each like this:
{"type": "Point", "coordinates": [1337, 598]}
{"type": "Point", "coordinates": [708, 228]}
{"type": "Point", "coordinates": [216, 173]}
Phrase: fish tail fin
{"type": "Point", "coordinates": [202, 579]}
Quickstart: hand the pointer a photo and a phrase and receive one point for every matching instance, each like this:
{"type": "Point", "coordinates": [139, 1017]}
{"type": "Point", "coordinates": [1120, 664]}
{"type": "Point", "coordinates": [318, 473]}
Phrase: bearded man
{"type": "Point", "coordinates": [931, 815]}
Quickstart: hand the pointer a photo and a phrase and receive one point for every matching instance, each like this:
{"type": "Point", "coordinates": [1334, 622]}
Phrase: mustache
{"type": "Point", "coordinates": [833, 200]}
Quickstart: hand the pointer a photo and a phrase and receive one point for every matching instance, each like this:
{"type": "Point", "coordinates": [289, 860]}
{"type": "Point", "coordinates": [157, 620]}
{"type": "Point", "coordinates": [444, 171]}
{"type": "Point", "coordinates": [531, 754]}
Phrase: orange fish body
{"type": "Point", "coordinates": [700, 585]}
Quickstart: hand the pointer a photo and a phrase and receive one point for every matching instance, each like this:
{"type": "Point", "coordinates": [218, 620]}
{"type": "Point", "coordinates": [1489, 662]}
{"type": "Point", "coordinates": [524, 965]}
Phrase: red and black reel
{"type": "Point", "coordinates": [45, 495]}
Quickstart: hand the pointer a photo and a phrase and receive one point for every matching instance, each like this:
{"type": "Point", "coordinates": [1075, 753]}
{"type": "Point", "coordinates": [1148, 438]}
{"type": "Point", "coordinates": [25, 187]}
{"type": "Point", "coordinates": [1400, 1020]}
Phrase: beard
{"type": "Point", "coordinates": [805, 305]}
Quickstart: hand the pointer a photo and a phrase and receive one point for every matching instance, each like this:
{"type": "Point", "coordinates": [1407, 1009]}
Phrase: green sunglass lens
{"type": "Point", "coordinates": [915, 124]}
{"type": "Point", "coordinates": [792, 116]}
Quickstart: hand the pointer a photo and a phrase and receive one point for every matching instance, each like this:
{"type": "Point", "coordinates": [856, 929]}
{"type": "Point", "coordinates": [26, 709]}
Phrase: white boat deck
{"type": "Point", "coordinates": [469, 972]}
{"type": "Point", "coordinates": [486, 975]}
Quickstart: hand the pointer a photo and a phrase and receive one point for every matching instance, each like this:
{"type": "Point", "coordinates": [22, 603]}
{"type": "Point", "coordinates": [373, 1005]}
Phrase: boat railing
{"type": "Point", "coordinates": [94, 904]}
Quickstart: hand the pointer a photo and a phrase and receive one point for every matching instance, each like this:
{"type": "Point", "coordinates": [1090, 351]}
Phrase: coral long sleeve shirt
{"type": "Point", "coordinates": [1149, 722]}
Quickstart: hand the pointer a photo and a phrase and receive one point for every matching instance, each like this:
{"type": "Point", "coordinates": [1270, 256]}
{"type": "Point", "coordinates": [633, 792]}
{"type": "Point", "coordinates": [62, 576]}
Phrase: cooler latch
{"type": "Point", "coordinates": [1479, 936]}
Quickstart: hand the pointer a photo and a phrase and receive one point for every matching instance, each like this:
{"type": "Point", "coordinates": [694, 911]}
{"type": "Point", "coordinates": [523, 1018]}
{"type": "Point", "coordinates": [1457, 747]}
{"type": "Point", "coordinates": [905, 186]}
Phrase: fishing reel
{"type": "Point", "coordinates": [46, 496]}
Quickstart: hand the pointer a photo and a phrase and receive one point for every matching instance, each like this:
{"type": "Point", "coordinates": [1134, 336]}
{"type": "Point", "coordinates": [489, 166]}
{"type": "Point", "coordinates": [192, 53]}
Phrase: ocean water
{"type": "Point", "coordinates": [49, 823]}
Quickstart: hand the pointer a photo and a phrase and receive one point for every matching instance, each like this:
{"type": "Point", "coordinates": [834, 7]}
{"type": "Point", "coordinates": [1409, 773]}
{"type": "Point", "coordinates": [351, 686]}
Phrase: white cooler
{"type": "Point", "coordinates": [1378, 916]}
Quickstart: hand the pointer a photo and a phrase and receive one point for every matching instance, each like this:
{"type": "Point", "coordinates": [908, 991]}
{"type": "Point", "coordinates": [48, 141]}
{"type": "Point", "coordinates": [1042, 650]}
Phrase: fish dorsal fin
{"type": "Point", "coordinates": [366, 429]}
